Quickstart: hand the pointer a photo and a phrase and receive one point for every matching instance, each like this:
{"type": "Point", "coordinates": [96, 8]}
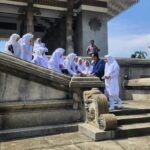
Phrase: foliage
{"type": "Point", "coordinates": [139, 54]}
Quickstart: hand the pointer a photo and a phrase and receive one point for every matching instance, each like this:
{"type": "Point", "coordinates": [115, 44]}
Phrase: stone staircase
{"type": "Point", "coordinates": [133, 121]}
{"type": "Point", "coordinates": [36, 101]}
{"type": "Point", "coordinates": [28, 119]}
{"type": "Point", "coordinates": [37, 118]}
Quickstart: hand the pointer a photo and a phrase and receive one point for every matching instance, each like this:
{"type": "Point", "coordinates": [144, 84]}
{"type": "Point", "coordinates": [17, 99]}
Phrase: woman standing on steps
{"type": "Point", "coordinates": [111, 81]}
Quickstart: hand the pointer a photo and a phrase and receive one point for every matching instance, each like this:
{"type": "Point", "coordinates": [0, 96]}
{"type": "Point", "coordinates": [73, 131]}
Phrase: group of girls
{"type": "Point", "coordinates": [71, 65]}
{"type": "Point", "coordinates": [24, 48]}
{"type": "Point", "coordinates": [35, 52]}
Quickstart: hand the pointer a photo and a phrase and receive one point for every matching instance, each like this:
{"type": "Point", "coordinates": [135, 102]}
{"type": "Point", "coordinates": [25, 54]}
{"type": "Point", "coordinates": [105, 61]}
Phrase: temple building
{"type": "Point", "coordinates": [62, 23]}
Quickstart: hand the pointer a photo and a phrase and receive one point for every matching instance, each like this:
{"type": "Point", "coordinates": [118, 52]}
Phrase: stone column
{"type": "Point", "coordinates": [30, 14]}
{"type": "Point", "coordinates": [93, 26]}
{"type": "Point", "coordinates": [69, 31]}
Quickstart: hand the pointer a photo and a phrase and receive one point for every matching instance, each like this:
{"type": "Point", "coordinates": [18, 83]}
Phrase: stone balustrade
{"type": "Point", "coordinates": [21, 80]}
{"type": "Point", "coordinates": [137, 83]}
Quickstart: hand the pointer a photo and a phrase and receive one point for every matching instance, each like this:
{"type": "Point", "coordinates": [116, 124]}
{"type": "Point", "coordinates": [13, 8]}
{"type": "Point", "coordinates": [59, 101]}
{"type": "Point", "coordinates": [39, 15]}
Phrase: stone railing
{"type": "Point", "coordinates": [132, 69]}
{"type": "Point", "coordinates": [96, 110]}
{"type": "Point", "coordinates": [137, 89]}
{"type": "Point", "coordinates": [31, 71]}
{"type": "Point", "coordinates": [141, 83]}
{"type": "Point", "coordinates": [21, 80]}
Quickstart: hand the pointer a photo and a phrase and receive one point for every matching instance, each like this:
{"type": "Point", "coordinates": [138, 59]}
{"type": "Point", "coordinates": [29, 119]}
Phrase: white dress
{"type": "Point", "coordinates": [112, 84]}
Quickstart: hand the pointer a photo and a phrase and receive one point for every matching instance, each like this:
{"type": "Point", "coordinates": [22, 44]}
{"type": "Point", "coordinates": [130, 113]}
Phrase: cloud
{"type": "Point", "coordinates": [124, 46]}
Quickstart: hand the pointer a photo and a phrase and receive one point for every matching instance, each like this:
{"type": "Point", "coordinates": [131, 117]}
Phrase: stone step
{"type": "Point", "coordinates": [10, 134]}
{"type": "Point", "coordinates": [129, 111]}
{"type": "Point", "coordinates": [133, 130]}
{"type": "Point", "coordinates": [124, 131]}
{"type": "Point", "coordinates": [41, 117]}
{"type": "Point", "coordinates": [32, 105]}
{"type": "Point", "coordinates": [140, 93]}
{"type": "Point", "coordinates": [130, 119]}
{"type": "Point", "coordinates": [94, 133]}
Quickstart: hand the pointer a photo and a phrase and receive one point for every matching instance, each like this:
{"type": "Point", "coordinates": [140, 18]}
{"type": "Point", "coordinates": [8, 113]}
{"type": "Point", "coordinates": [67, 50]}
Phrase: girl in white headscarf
{"type": "Point", "coordinates": [12, 47]}
{"type": "Point", "coordinates": [88, 68]}
{"type": "Point", "coordinates": [80, 65]}
{"type": "Point", "coordinates": [37, 44]}
{"type": "Point", "coordinates": [39, 58]}
{"type": "Point", "coordinates": [111, 81]}
{"type": "Point", "coordinates": [26, 47]}
{"type": "Point", "coordinates": [70, 64]}
{"type": "Point", "coordinates": [55, 62]}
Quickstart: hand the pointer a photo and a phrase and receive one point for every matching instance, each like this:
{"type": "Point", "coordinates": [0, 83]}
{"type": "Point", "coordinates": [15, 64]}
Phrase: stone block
{"type": "Point", "coordinates": [95, 133]}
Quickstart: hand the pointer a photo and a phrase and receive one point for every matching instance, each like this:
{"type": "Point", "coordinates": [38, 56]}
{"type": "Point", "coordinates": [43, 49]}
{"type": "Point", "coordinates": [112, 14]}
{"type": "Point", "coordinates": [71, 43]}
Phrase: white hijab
{"type": "Point", "coordinates": [26, 47]}
{"type": "Point", "coordinates": [16, 47]}
{"type": "Point", "coordinates": [56, 59]}
{"type": "Point", "coordinates": [112, 70]}
{"type": "Point", "coordinates": [70, 64]}
{"type": "Point", "coordinates": [88, 68]}
{"type": "Point", "coordinates": [111, 66]}
{"type": "Point", "coordinates": [39, 59]}
{"type": "Point", "coordinates": [80, 66]}
{"type": "Point", "coordinates": [37, 44]}
{"type": "Point", "coordinates": [26, 39]}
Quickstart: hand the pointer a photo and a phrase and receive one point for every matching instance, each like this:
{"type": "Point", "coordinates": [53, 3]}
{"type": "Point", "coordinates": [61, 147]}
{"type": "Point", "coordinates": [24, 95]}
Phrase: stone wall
{"type": "Point", "coordinates": [17, 89]}
{"type": "Point", "coordinates": [133, 68]}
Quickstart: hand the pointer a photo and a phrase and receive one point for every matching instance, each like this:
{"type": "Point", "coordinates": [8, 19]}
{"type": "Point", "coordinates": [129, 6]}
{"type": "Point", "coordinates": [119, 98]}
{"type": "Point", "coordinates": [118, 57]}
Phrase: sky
{"type": "Point", "coordinates": [2, 45]}
{"type": "Point", "coordinates": [130, 31]}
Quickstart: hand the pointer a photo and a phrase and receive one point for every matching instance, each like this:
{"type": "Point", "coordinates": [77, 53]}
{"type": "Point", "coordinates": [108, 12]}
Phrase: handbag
{"type": "Point", "coordinates": [10, 48]}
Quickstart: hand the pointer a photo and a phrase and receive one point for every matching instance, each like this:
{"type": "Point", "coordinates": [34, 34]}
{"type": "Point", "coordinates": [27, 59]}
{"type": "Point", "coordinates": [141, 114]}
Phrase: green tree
{"type": "Point", "coordinates": [140, 54]}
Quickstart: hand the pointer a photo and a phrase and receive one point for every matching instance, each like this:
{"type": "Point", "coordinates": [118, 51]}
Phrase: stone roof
{"type": "Point", "coordinates": [111, 7]}
{"type": "Point", "coordinates": [117, 6]}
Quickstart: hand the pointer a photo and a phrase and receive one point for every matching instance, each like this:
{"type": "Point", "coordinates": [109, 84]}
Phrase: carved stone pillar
{"type": "Point", "coordinates": [69, 31]}
{"type": "Point", "coordinates": [30, 14]}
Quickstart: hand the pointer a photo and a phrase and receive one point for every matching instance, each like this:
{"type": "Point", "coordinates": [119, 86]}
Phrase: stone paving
{"type": "Point", "coordinates": [75, 141]}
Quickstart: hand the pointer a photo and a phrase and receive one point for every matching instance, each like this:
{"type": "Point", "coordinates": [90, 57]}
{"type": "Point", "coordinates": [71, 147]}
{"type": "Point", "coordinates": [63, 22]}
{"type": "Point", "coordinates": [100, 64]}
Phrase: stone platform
{"type": "Point", "coordinates": [75, 141]}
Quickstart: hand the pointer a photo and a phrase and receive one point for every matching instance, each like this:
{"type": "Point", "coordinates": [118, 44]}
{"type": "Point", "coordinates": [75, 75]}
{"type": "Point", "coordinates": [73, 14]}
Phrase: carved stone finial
{"type": "Point", "coordinates": [97, 112]}
{"type": "Point", "coordinates": [107, 122]}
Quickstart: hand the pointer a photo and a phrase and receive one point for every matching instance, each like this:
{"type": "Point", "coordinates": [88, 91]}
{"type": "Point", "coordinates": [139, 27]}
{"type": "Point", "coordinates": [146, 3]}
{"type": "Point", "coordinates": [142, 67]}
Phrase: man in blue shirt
{"type": "Point", "coordinates": [98, 67]}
